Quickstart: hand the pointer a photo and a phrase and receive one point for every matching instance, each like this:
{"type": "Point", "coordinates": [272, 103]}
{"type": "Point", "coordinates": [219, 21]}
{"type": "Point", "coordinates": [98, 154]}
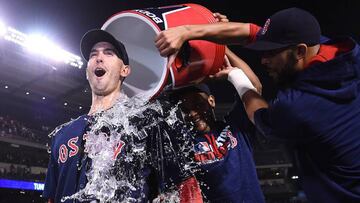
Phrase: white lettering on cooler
{"type": "Point", "coordinates": [150, 15]}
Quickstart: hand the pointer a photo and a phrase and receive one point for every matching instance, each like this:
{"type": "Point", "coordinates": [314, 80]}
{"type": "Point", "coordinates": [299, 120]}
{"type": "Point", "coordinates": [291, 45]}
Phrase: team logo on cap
{"type": "Point", "coordinates": [266, 26]}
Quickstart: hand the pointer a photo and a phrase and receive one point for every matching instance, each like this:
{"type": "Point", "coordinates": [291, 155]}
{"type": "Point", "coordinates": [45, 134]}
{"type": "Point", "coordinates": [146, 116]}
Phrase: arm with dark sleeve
{"type": "Point", "coordinates": [252, 102]}
{"type": "Point", "coordinates": [237, 116]}
{"type": "Point", "coordinates": [174, 162]}
{"type": "Point", "coordinates": [166, 142]}
{"type": "Point", "coordinates": [280, 122]}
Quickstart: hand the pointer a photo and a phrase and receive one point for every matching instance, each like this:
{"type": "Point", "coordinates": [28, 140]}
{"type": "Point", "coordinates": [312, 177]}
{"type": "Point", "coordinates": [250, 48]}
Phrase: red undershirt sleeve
{"type": "Point", "coordinates": [254, 29]}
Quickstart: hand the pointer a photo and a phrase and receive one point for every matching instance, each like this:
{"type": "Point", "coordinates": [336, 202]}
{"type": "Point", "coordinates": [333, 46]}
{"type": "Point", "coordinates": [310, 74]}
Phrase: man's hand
{"type": "Point", "coordinates": [224, 70]}
{"type": "Point", "coordinates": [170, 41]}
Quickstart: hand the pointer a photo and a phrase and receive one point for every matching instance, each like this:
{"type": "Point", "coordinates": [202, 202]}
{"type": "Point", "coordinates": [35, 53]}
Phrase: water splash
{"type": "Point", "coordinates": [125, 140]}
{"type": "Point", "coordinates": [167, 198]}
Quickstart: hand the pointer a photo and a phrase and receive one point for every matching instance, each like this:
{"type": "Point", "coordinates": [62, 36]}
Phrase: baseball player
{"type": "Point", "coordinates": [108, 66]}
{"type": "Point", "coordinates": [221, 148]}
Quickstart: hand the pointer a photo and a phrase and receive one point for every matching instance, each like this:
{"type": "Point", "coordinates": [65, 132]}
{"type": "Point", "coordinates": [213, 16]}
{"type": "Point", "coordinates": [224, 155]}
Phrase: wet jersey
{"type": "Point", "coordinates": [69, 163]}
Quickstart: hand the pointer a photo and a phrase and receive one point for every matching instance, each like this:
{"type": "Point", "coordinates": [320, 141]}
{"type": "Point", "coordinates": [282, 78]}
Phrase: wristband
{"type": "Point", "coordinates": [240, 81]}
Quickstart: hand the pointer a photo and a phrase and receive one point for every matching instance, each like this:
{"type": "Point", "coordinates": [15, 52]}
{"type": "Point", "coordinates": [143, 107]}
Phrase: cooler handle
{"type": "Point", "coordinates": [182, 58]}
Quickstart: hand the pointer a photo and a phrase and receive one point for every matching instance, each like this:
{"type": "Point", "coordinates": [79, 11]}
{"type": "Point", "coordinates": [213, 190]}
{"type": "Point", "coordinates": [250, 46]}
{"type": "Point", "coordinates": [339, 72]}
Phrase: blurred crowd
{"type": "Point", "coordinates": [24, 157]}
{"type": "Point", "coordinates": [22, 162]}
{"type": "Point", "coordinates": [10, 127]}
{"type": "Point", "coordinates": [21, 172]}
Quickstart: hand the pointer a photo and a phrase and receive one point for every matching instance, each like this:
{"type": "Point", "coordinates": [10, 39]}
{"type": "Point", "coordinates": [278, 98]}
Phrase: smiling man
{"type": "Point", "coordinates": [221, 147]}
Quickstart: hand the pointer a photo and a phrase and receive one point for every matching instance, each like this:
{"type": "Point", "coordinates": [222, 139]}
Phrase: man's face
{"type": "Point", "coordinates": [280, 64]}
{"type": "Point", "coordinates": [198, 109]}
{"type": "Point", "coordinates": [105, 70]}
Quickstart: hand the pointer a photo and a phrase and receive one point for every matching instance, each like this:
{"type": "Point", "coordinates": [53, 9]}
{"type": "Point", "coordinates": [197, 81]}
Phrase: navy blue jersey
{"type": "Point", "coordinates": [320, 115]}
{"type": "Point", "coordinates": [66, 170]}
{"type": "Point", "coordinates": [228, 171]}
{"type": "Point", "coordinates": [69, 163]}
{"type": "Point", "coordinates": [161, 170]}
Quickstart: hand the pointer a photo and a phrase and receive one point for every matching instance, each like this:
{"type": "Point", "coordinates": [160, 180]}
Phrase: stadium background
{"type": "Point", "coordinates": [38, 93]}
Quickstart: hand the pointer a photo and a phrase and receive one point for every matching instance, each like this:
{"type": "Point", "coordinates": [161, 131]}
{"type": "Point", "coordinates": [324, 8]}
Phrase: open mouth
{"type": "Point", "coordinates": [99, 72]}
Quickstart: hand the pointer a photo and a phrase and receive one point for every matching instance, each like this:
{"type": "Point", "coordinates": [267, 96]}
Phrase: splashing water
{"type": "Point", "coordinates": [125, 140]}
{"type": "Point", "coordinates": [167, 198]}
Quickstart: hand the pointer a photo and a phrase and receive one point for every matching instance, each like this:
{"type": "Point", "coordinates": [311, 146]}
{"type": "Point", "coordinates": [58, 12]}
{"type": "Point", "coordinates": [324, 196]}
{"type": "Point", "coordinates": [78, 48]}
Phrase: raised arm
{"type": "Point", "coordinates": [251, 98]}
{"type": "Point", "coordinates": [244, 81]}
{"type": "Point", "coordinates": [235, 61]}
{"type": "Point", "coordinates": [253, 102]}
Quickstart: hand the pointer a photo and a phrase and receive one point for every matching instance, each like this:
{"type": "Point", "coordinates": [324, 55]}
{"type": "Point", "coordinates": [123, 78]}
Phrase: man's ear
{"type": "Point", "coordinates": [125, 71]}
{"type": "Point", "coordinates": [301, 50]}
{"type": "Point", "coordinates": [211, 100]}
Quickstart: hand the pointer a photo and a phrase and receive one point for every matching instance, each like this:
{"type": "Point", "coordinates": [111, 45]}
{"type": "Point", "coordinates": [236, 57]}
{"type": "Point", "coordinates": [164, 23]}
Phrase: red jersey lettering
{"type": "Point", "coordinates": [72, 145]}
{"type": "Point", "coordinates": [63, 153]}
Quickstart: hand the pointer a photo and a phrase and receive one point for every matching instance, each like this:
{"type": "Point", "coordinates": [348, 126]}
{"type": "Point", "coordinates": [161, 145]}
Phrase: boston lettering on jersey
{"type": "Point", "coordinates": [71, 149]}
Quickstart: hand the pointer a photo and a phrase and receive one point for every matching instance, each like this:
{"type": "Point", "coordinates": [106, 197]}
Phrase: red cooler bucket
{"type": "Point", "coordinates": [138, 28]}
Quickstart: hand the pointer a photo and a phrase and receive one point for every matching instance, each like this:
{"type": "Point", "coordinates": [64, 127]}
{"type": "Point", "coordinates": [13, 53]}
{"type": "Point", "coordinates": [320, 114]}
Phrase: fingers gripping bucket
{"type": "Point", "coordinates": [138, 28]}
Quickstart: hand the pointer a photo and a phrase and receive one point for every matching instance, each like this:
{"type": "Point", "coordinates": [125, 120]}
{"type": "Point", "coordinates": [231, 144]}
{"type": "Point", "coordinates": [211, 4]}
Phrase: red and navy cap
{"type": "Point", "coordinates": [92, 37]}
{"type": "Point", "coordinates": [285, 28]}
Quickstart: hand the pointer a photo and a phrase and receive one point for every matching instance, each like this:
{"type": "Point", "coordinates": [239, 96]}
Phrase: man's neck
{"type": "Point", "coordinates": [101, 103]}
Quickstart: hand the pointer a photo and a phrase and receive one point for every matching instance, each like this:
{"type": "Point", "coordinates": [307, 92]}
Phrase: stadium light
{"type": "Point", "coordinates": [15, 36]}
{"type": "Point", "coordinates": [40, 45]}
{"type": "Point", "coordinates": [36, 43]}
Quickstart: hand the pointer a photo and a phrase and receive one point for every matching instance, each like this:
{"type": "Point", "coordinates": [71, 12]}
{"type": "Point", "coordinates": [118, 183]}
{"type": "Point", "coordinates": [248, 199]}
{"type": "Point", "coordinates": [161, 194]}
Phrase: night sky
{"type": "Point", "coordinates": [65, 21]}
